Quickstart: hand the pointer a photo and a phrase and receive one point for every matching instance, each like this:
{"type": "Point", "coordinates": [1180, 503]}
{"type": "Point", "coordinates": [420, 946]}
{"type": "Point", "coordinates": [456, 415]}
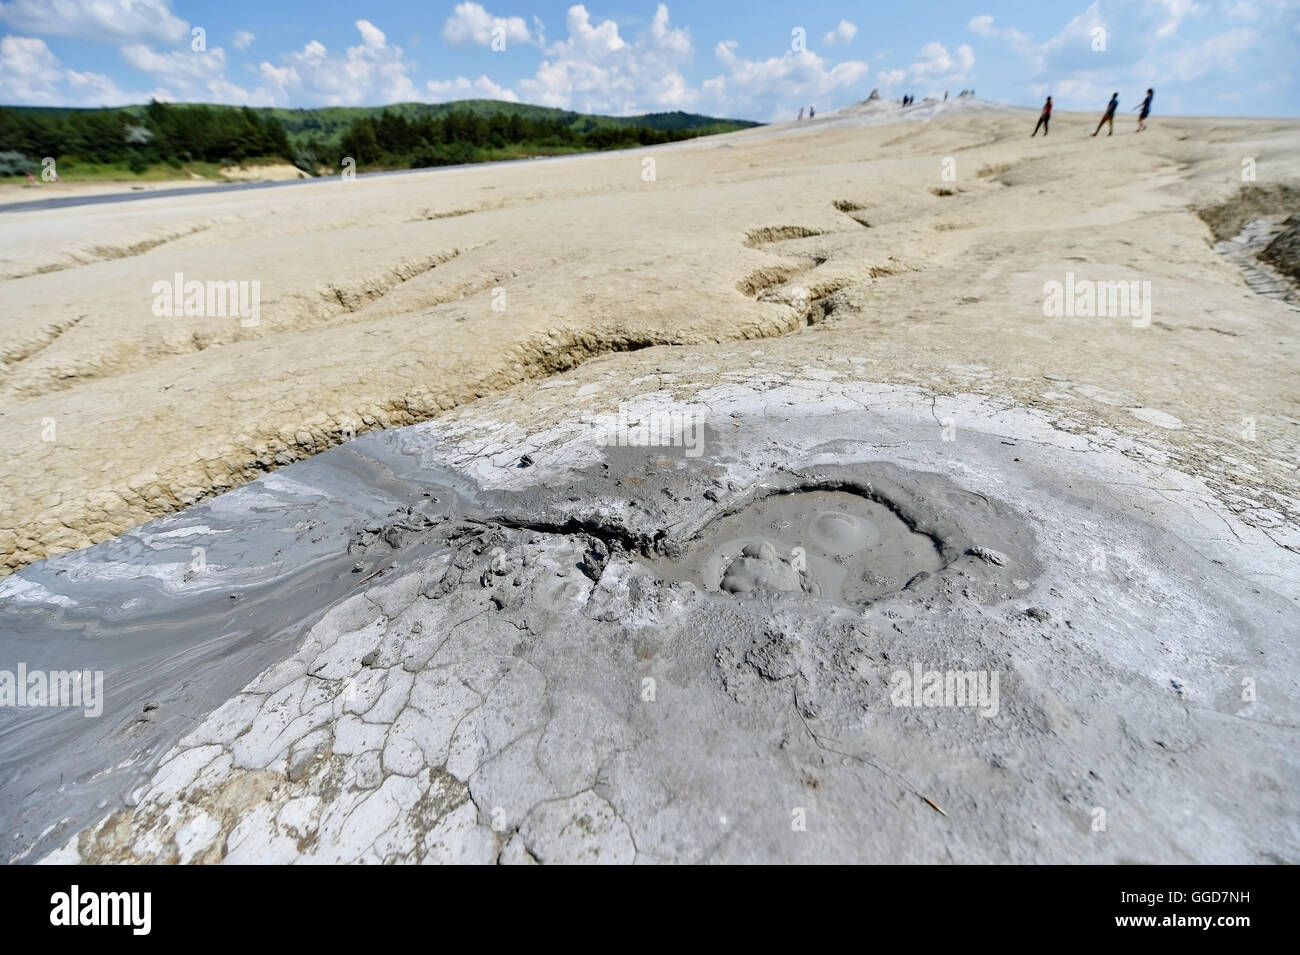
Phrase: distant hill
{"type": "Point", "coordinates": [326, 124]}
{"type": "Point", "coordinates": [170, 140]}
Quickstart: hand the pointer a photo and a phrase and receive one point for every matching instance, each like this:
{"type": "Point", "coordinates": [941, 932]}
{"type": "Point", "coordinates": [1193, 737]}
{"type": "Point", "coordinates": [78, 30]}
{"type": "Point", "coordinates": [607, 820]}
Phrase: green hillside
{"type": "Point", "coordinates": [161, 140]}
{"type": "Point", "coordinates": [328, 123]}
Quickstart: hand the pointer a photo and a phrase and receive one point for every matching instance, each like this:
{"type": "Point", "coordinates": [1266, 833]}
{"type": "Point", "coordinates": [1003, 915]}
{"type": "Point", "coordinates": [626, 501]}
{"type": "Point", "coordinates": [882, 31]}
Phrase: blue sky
{"type": "Point", "coordinates": [753, 60]}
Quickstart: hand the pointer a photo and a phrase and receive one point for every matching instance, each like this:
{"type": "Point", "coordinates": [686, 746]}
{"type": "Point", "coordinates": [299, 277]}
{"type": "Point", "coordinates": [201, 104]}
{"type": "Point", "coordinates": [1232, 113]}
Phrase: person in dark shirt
{"type": "Point", "coordinates": [1109, 118]}
{"type": "Point", "coordinates": [1043, 118]}
{"type": "Point", "coordinates": [1146, 110]}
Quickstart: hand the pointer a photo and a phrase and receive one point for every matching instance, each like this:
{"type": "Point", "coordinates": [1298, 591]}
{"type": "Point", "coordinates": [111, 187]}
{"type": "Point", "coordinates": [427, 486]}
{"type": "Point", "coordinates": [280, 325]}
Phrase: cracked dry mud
{"type": "Point", "coordinates": [500, 636]}
{"type": "Point", "coordinates": [477, 689]}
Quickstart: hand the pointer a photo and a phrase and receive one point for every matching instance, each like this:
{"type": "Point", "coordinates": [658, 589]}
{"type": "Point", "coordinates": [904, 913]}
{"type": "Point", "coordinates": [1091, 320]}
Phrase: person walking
{"type": "Point", "coordinates": [800, 112]}
{"type": "Point", "coordinates": [1109, 118]}
{"type": "Point", "coordinates": [1146, 110]}
{"type": "Point", "coordinates": [812, 112]}
{"type": "Point", "coordinates": [1043, 118]}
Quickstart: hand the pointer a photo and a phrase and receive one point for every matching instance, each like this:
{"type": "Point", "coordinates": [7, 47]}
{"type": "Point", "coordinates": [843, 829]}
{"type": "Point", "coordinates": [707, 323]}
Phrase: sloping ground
{"type": "Point", "coordinates": [513, 672]}
{"type": "Point", "coordinates": [373, 313]}
{"type": "Point", "coordinates": [500, 635]}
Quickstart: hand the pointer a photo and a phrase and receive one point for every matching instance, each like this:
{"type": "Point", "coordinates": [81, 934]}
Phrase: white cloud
{"type": "Point", "coordinates": [843, 33]}
{"type": "Point", "coordinates": [782, 84]}
{"type": "Point", "coordinates": [193, 76]}
{"type": "Point", "coordinates": [1144, 46]}
{"type": "Point", "coordinates": [1217, 54]}
{"type": "Point", "coordinates": [471, 23]}
{"type": "Point", "coordinates": [596, 70]}
{"type": "Point", "coordinates": [983, 26]}
{"type": "Point", "coordinates": [242, 39]}
{"type": "Point", "coordinates": [463, 88]}
{"type": "Point", "coordinates": [1176, 11]}
{"type": "Point", "coordinates": [372, 72]}
{"type": "Point", "coordinates": [937, 68]}
{"type": "Point", "coordinates": [31, 75]}
{"type": "Point", "coordinates": [97, 21]}
{"type": "Point", "coordinates": [1129, 28]}
{"type": "Point", "coordinates": [934, 60]}
{"type": "Point", "coordinates": [371, 35]}
{"type": "Point", "coordinates": [891, 78]}
{"type": "Point", "coordinates": [187, 65]}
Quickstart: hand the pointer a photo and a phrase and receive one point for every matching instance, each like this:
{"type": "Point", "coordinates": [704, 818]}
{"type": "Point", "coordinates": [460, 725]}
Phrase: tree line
{"type": "Point", "coordinates": [460, 136]}
{"type": "Point", "coordinates": [164, 133]}
{"type": "Point", "coordinates": [159, 133]}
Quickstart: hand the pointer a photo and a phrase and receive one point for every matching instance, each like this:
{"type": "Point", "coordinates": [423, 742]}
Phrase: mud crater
{"type": "Point", "coordinates": [831, 544]}
{"type": "Point", "coordinates": [855, 534]}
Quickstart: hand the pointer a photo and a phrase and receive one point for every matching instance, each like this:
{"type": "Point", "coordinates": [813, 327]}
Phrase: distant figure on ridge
{"type": "Point", "coordinates": [812, 111]}
{"type": "Point", "coordinates": [1043, 118]}
{"type": "Point", "coordinates": [801, 112]}
{"type": "Point", "coordinates": [1109, 117]}
{"type": "Point", "coordinates": [1146, 110]}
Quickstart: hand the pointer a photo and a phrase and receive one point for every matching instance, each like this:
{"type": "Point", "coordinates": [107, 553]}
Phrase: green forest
{"type": "Point", "coordinates": [162, 140]}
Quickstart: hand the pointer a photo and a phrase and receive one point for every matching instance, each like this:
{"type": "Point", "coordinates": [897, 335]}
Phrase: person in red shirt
{"type": "Point", "coordinates": [1043, 118]}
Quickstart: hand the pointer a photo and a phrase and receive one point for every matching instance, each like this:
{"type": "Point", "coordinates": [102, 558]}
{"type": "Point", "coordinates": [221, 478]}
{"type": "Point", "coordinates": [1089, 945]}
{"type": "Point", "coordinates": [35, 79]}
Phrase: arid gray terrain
{"type": "Point", "coordinates": [809, 501]}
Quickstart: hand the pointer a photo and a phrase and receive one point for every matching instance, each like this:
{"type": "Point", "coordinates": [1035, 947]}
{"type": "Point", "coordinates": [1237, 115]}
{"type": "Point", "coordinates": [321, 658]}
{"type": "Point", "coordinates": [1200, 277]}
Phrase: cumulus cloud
{"type": "Point", "coordinates": [984, 26]}
{"type": "Point", "coordinates": [193, 76]}
{"type": "Point", "coordinates": [1133, 44]}
{"type": "Point", "coordinates": [843, 33]}
{"type": "Point", "coordinates": [935, 69]}
{"type": "Point", "coordinates": [935, 62]}
{"type": "Point", "coordinates": [97, 21]}
{"type": "Point", "coordinates": [242, 39]}
{"type": "Point", "coordinates": [445, 91]}
{"type": "Point", "coordinates": [372, 71]}
{"type": "Point", "coordinates": [31, 75]}
{"type": "Point", "coordinates": [1107, 34]}
{"type": "Point", "coordinates": [891, 78]}
{"type": "Point", "coordinates": [595, 69]}
{"type": "Point", "coordinates": [781, 83]}
{"type": "Point", "coordinates": [471, 23]}
{"type": "Point", "coordinates": [1216, 54]}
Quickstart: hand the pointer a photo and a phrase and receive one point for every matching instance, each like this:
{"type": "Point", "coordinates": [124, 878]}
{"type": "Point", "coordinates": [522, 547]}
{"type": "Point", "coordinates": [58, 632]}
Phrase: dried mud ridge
{"type": "Point", "coordinates": [1258, 230]}
{"type": "Point", "coordinates": [78, 256]}
{"type": "Point", "coordinates": [281, 442]}
{"type": "Point", "coordinates": [813, 301]}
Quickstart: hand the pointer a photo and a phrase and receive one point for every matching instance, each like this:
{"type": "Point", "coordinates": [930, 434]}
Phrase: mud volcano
{"type": "Point", "coordinates": [622, 655]}
{"type": "Point", "coordinates": [836, 545]}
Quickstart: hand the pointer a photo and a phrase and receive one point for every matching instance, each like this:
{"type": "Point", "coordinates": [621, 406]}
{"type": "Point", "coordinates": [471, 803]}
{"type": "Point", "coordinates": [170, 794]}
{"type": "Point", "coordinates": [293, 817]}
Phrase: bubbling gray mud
{"type": "Point", "coordinates": [831, 544]}
{"type": "Point", "coordinates": [175, 641]}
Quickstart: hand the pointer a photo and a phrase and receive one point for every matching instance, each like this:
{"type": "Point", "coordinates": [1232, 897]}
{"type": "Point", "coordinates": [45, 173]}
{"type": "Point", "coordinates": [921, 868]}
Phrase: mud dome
{"type": "Point", "coordinates": [829, 544]}
{"type": "Point", "coordinates": [849, 546]}
{"type": "Point", "coordinates": [411, 649]}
